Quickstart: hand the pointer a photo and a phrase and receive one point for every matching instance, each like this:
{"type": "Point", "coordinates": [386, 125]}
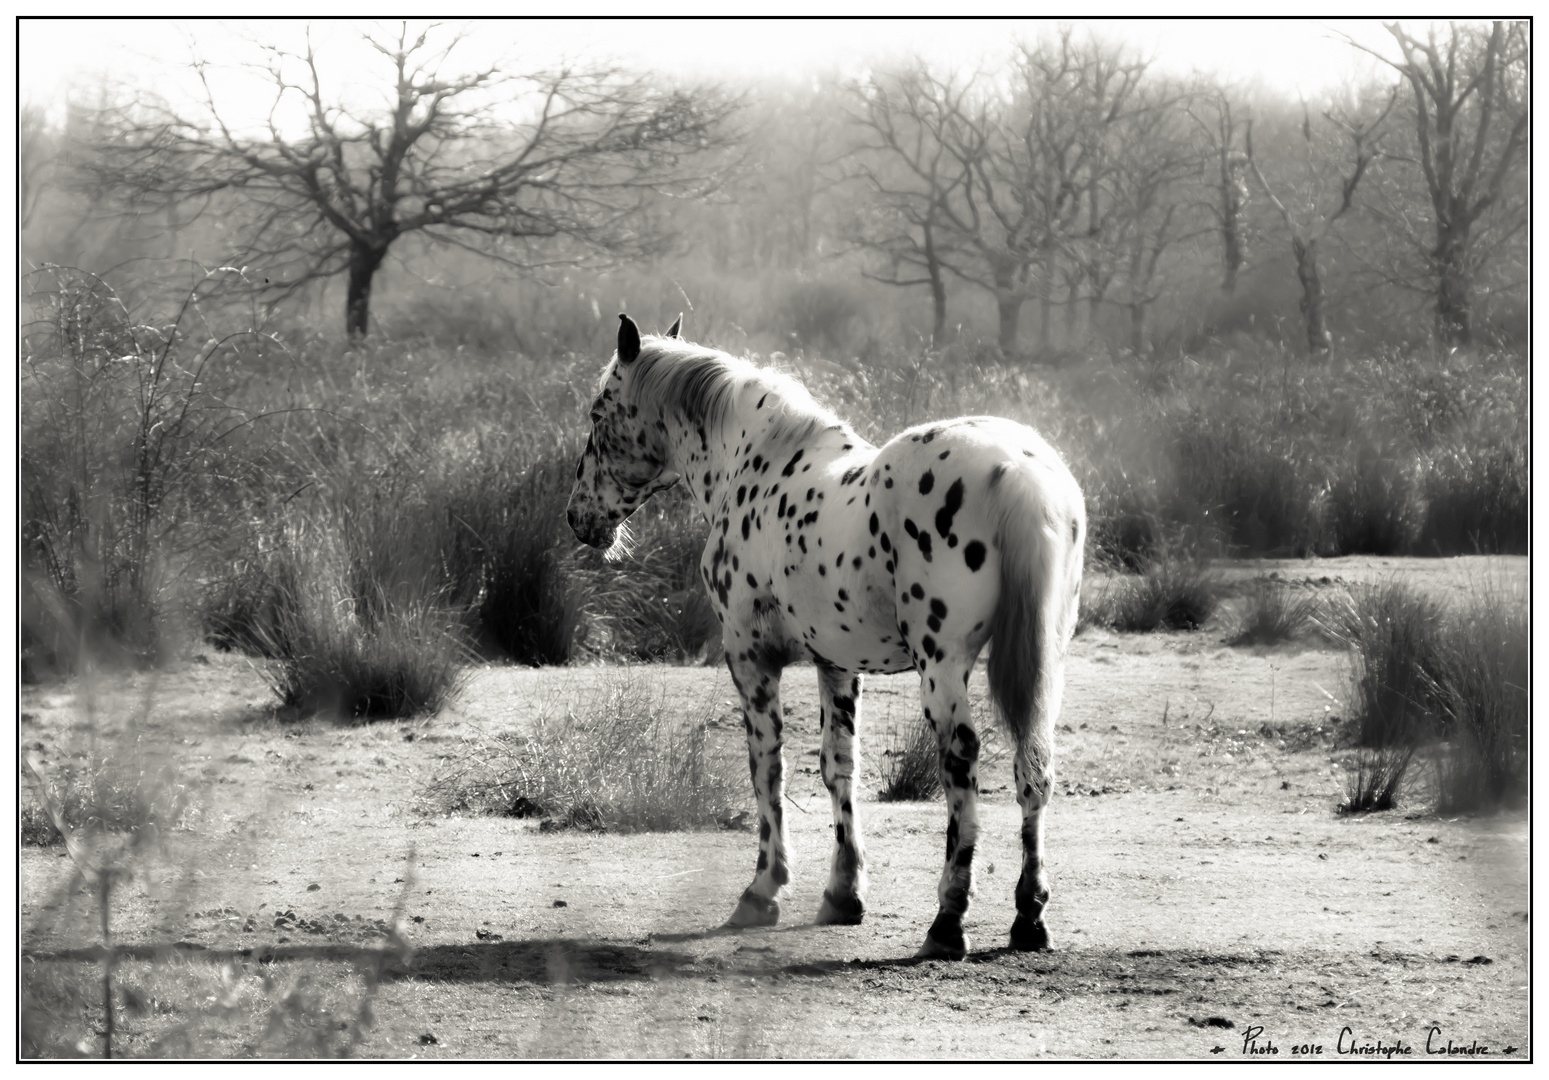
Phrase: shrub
{"type": "Point", "coordinates": [910, 765]}
{"type": "Point", "coordinates": [127, 443]}
{"type": "Point", "coordinates": [1173, 592]}
{"type": "Point", "coordinates": [617, 759]}
{"type": "Point", "coordinates": [820, 314]}
{"type": "Point", "coordinates": [1273, 612]}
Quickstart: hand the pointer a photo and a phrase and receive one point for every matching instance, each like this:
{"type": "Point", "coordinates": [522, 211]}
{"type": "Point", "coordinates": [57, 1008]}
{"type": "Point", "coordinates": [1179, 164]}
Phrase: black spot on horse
{"type": "Point", "coordinates": [949, 509]}
{"type": "Point", "coordinates": [937, 608]}
{"type": "Point", "coordinates": [874, 525]}
{"type": "Point", "coordinates": [973, 555]}
{"type": "Point", "coordinates": [917, 592]}
{"type": "Point", "coordinates": [927, 482]}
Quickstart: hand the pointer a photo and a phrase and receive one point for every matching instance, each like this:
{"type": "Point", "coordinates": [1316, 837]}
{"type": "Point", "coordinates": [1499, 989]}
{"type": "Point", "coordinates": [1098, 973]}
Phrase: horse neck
{"type": "Point", "coordinates": [747, 435]}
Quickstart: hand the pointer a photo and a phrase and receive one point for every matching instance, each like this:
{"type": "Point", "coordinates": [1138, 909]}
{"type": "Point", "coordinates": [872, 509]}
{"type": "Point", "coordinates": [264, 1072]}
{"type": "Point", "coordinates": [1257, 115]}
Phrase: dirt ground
{"type": "Point", "coordinates": [1207, 901]}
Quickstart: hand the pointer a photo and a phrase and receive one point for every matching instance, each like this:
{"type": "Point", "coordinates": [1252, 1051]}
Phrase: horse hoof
{"type": "Point", "coordinates": [754, 910]}
{"type": "Point", "coordinates": [841, 911]}
{"type": "Point", "coordinates": [1029, 936]}
{"type": "Point", "coordinates": [944, 940]}
{"type": "Point", "coordinates": [937, 950]}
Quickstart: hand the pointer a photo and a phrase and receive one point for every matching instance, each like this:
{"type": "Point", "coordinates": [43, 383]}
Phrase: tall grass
{"type": "Point", "coordinates": [1455, 677]}
{"type": "Point", "coordinates": [1392, 632]}
{"type": "Point", "coordinates": [442, 452]}
{"type": "Point", "coordinates": [1479, 679]}
{"type": "Point", "coordinates": [1476, 500]}
{"type": "Point", "coordinates": [348, 643]}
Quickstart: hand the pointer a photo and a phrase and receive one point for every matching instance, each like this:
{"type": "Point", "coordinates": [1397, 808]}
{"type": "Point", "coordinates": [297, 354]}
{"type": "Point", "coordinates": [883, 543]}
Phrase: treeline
{"type": "Point", "coordinates": [1115, 203]}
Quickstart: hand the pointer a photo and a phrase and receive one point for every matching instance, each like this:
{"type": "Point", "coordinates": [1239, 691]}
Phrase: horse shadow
{"type": "Point", "coordinates": [574, 961]}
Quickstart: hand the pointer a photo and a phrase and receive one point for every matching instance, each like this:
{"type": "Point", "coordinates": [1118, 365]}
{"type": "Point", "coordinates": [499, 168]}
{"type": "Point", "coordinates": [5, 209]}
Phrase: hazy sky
{"type": "Point", "coordinates": [70, 57]}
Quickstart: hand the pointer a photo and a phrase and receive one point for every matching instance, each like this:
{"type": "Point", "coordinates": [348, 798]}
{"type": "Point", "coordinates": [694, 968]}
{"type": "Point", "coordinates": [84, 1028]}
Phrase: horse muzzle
{"type": "Point", "coordinates": [591, 531]}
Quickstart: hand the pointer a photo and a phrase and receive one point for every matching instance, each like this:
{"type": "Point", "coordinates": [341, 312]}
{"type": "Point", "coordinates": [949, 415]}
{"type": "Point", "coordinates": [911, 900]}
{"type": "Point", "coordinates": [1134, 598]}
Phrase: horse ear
{"type": "Point", "coordinates": [675, 330]}
{"type": "Point", "coordinates": [629, 339]}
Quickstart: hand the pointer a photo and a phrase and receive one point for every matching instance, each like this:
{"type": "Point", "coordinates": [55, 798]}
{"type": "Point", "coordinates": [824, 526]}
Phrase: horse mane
{"type": "Point", "coordinates": [702, 384]}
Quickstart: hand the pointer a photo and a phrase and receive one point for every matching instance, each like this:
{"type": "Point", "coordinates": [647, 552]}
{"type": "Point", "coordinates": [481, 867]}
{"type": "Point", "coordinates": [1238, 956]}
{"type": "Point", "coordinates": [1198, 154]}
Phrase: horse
{"type": "Point", "coordinates": [954, 535]}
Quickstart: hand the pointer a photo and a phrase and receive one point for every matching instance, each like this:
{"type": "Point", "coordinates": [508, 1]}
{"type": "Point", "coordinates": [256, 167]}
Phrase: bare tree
{"type": "Point", "coordinates": [1035, 158]}
{"type": "Point", "coordinates": [1147, 187]}
{"type": "Point", "coordinates": [907, 120]}
{"type": "Point", "coordinates": [1311, 213]}
{"type": "Point", "coordinates": [1109, 82]}
{"type": "Point", "coordinates": [1225, 174]}
{"type": "Point", "coordinates": [575, 178]}
{"type": "Point", "coordinates": [1469, 97]}
{"type": "Point", "coordinates": [35, 160]}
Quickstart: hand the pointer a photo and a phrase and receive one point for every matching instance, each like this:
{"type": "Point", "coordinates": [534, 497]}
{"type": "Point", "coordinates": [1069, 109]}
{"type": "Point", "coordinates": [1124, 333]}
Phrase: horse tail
{"type": "Point", "coordinates": [1040, 527]}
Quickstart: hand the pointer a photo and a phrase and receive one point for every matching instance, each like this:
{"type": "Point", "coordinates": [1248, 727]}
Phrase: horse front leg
{"type": "Point", "coordinates": [839, 712]}
{"type": "Point", "coordinates": [759, 686]}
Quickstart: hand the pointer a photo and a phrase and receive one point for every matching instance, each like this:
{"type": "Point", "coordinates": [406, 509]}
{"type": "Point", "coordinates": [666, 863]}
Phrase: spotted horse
{"type": "Point", "coordinates": [952, 536]}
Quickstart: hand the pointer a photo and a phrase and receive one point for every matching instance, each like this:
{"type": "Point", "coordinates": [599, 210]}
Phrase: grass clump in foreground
{"type": "Point", "coordinates": [620, 758]}
{"type": "Point", "coordinates": [102, 972]}
{"type": "Point", "coordinates": [1426, 673]}
{"type": "Point", "coordinates": [1274, 612]}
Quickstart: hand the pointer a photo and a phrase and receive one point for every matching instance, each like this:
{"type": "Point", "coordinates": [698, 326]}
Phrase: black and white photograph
{"type": "Point", "coordinates": [896, 538]}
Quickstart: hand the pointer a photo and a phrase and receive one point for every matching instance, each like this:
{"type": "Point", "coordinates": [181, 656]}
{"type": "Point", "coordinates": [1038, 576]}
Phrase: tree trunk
{"type": "Point", "coordinates": [364, 262]}
{"type": "Point", "coordinates": [1233, 196]}
{"type": "Point", "coordinates": [1010, 305]}
{"type": "Point", "coordinates": [1454, 300]}
{"type": "Point", "coordinates": [1318, 340]}
{"type": "Point", "coordinates": [1072, 307]}
{"type": "Point", "coordinates": [1046, 302]}
{"type": "Point", "coordinates": [938, 289]}
{"type": "Point", "coordinates": [938, 297]}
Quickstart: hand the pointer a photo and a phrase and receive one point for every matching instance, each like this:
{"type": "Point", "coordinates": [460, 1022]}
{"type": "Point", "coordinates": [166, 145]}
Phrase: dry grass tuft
{"type": "Point", "coordinates": [617, 759]}
{"type": "Point", "coordinates": [910, 764]}
{"type": "Point", "coordinates": [1274, 612]}
{"type": "Point", "coordinates": [1172, 592]}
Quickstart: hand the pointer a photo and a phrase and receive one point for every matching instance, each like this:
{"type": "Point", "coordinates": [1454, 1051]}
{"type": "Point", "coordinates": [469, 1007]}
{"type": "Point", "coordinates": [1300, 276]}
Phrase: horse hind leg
{"type": "Point", "coordinates": [840, 696]}
{"type": "Point", "coordinates": [944, 695]}
{"type": "Point", "coordinates": [1033, 770]}
{"type": "Point", "coordinates": [1034, 780]}
{"type": "Point", "coordinates": [759, 687]}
